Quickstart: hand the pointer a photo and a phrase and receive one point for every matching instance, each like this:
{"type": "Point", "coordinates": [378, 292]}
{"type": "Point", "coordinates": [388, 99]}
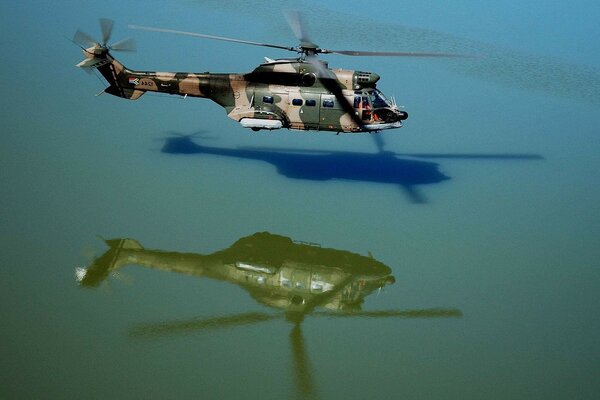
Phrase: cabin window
{"type": "Point", "coordinates": [311, 103]}
{"type": "Point", "coordinates": [328, 103]}
{"type": "Point", "coordinates": [268, 99]}
{"type": "Point", "coordinates": [356, 101]}
{"type": "Point", "coordinates": [316, 286]}
{"type": "Point", "coordinates": [297, 102]}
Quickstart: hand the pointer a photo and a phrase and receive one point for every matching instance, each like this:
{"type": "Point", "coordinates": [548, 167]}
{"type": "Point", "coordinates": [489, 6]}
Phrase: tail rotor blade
{"type": "Point", "coordinates": [124, 45]}
{"type": "Point", "coordinates": [83, 39]}
{"type": "Point", "coordinates": [106, 26]}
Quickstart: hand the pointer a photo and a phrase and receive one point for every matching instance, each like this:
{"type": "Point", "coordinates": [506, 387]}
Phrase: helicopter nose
{"type": "Point", "coordinates": [402, 115]}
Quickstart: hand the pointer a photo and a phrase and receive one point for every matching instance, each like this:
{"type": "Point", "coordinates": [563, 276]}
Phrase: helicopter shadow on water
{"type": "Point", "coordinates": [403, 170]}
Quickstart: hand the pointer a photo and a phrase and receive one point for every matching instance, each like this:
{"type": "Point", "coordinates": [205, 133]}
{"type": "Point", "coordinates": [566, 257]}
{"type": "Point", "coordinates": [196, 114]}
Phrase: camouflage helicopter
{"type": "Point", "coordinates": [300, 93]}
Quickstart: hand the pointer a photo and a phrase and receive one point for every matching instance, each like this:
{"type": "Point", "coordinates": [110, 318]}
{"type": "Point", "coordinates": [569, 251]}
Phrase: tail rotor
{"type": "Point", "coordinates": [92, 46]}
{"type": "Point", "coordinates": [122, 81]}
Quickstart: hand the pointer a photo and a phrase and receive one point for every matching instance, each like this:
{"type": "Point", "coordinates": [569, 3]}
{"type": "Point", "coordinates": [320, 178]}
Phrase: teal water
{"type": "Point", "coordinates": [485, 205]}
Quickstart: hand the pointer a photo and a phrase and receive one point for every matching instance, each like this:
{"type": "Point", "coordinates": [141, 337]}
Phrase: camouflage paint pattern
{"type": "Point", "coordinates": [286, 90]}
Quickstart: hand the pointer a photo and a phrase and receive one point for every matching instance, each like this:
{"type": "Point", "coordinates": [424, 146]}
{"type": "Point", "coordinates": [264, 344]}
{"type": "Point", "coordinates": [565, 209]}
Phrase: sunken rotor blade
{"type": "Point", "coordinates": [204, 36]}
{"type": "Point", "coordinates": [391, 54]}
{"type": "Point", "coordinates": [424, 313]}
{"type": "Point", "coordinates": [106, 26]}
{"type": "Point", "coordinates": [124, 45]}
{"type": "Point", "coordinates": [330, 82]}
{"type": "Point", "coordinates": [83, 39]}
{"type": "Point", "coordinates": [199, 325]}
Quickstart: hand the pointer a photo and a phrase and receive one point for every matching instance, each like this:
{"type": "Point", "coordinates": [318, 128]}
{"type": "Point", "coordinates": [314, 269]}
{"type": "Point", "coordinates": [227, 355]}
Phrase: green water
{"type": "Point", "coordinates": [489, 221]}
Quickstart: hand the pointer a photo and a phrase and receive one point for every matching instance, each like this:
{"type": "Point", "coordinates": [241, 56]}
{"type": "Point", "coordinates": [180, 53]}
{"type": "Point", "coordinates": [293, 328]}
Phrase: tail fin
{"type": "Point", "coordinates": [122, 82]}
{"type": "Point", "coordinates": [98, 271]}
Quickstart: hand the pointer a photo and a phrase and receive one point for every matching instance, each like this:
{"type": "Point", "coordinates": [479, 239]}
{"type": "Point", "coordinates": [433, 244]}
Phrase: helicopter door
{"type": "Point", "coordinates": [330, 113]}
{"type": "Point", "coordinates": [303, 110]}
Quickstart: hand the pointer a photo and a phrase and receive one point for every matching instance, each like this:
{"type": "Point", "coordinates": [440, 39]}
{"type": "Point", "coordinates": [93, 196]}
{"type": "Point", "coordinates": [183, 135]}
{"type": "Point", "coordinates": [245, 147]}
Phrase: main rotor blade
{"type": "Point", "coordinates": [425, 313]}
{"type": "Point", "coordinates": [391, 54]}
{"type": "Point", "coordinates": [476, 156]}
{"type": "Point", "coordinates": [204, 36]}
{"type": "Point", "coordinates": [124, 45]}
{"type": "Point", "coordinates": [83, 39]}
{"type": "Point", "coordinates": [329, 81]}
{"type": "Point", "coordinates": [199, 324]}
{"type": "Point", "coordinates": [294, 19]}
{"type": "Point", "coordinates": [379, 142]}
{"type": "Point", "coordinates": [302, 368]}
{"type": "Point", "coordinates": [106, 26]}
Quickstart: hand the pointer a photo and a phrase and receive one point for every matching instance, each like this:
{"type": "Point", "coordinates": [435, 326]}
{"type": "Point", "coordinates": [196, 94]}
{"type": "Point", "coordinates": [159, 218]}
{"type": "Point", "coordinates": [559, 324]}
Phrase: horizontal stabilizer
{"type": "Point", "coordinates": [130, 244]}
{"type": "Point", "coordinates": [90, 63]}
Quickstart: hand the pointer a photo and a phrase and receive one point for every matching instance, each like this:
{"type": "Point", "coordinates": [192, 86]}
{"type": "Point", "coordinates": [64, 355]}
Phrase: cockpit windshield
{"type": "Point", "coordinates": [379, 100]}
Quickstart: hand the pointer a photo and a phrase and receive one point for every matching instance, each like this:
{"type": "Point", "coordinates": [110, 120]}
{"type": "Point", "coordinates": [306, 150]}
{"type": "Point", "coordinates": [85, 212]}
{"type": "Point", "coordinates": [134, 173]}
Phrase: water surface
{"type": "Point", "coordinates": [483, 209]}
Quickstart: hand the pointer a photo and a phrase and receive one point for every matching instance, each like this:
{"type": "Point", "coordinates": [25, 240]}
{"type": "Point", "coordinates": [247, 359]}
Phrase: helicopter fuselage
{"type": "Point", "coordinates": [277, 94]}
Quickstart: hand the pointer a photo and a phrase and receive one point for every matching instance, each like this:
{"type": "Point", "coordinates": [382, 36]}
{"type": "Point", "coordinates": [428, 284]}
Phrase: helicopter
{"type": "Point", "coordinates": [298, 278]}
{"type": "Point", "coordinates": [300, 93]}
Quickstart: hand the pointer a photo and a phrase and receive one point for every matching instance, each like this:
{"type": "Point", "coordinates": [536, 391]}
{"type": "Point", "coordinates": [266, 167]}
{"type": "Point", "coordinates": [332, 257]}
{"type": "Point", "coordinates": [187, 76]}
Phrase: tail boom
{"type": "Point", "coordinates": [130, 84]}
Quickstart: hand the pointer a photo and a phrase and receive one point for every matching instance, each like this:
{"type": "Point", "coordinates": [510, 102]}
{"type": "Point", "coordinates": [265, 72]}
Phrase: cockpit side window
{"type": "Point", "coordinates": [378, 99]}
{"type": "Point", "coordinates": [365, 103]}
